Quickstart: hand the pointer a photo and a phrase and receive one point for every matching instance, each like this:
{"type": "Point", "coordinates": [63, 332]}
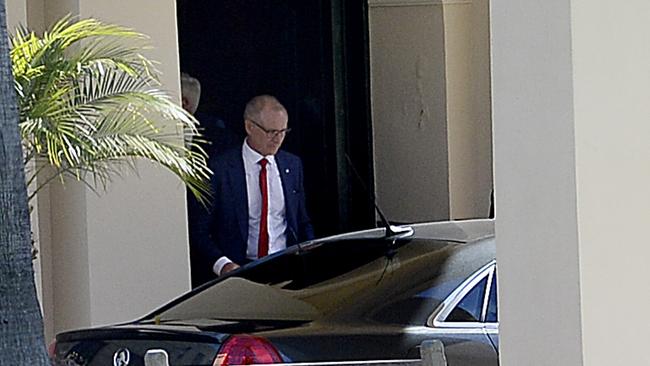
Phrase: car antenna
{"type": "Point", "coordinates": [391, 230]}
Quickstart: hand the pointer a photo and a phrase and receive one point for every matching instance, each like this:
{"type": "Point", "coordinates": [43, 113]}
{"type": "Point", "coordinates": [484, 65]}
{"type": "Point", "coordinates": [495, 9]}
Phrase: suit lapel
{"type": "Point", "coordinates": [237, 176]}
{"type": "Point", "coordinates": [288, 178]}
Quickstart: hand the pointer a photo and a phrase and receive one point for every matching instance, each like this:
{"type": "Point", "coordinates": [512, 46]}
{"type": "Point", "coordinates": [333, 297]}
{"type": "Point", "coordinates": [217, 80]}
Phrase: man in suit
{"type": "Point", "coordinates": [259, 202]}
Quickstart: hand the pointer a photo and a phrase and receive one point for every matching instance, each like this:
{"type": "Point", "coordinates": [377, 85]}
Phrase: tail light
{"type": "Point", "coordinates": [51, 349]}
{"type": "Point", "coordinates": [246, 350]}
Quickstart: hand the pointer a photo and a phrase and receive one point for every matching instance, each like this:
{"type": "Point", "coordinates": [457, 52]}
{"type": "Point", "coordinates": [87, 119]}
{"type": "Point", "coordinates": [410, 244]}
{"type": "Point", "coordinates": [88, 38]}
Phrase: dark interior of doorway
{"type": "Point", "coordinates": [312, 55]}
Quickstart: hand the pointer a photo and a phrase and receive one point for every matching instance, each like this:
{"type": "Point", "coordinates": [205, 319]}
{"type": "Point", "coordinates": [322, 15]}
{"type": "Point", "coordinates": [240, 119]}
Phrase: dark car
{"type": "Point", "coordinates": [358, 296]}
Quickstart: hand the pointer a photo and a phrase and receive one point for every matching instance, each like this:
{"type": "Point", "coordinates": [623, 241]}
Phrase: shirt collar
{"type": "Point", "coordinates": [252, 157]}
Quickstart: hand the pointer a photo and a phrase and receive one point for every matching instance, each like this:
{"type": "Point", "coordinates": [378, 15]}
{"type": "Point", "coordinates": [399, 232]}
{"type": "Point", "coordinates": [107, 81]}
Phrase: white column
{"type": "Point", "coordinates": [139, 258]}
{"type": "Point", "coordinates": [536, 227]}
{"type": "Point", "coordinates": [16, 14]}
{"type": "Point", "coordinates": [611, 58]}
{"type": "Point", "coordinates": [469, 122]}
{"type": "Point", "coordinates": [431, 108]}
{"type": "Point", "coordinates": [570, 92]}
{"type": "Point", "coordinates": [117, 256]}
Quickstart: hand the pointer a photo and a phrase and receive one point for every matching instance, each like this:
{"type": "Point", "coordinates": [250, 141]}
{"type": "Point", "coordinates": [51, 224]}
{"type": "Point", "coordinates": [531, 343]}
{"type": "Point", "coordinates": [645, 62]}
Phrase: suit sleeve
{"type": "Point", "coordinates": [305, 230]}
{"type": "Point", "coordinates": [210, 247]}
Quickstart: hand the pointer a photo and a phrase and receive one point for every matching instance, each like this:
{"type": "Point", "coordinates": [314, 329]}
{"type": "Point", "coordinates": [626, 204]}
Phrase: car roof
{"type": "Point", "coordinates": [461, 231]}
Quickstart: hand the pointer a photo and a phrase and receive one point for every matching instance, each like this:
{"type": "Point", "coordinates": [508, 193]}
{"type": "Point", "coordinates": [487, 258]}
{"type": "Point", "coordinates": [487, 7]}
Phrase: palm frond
{"type": "Point", "coordinates": [90, 105]}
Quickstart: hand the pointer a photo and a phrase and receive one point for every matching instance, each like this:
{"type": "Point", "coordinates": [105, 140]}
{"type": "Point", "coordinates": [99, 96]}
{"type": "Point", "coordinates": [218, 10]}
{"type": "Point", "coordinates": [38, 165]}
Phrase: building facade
{"type": "Point", "coordinates": [551, 96]}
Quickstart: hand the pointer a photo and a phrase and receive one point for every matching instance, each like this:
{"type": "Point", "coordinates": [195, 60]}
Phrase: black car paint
{"type": "Point", "coordinates": [374, 322]}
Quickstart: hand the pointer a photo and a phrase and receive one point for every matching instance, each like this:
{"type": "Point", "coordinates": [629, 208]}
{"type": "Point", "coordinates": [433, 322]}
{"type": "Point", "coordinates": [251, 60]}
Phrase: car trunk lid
{"type": "Point", "coordinates": [127, 345]}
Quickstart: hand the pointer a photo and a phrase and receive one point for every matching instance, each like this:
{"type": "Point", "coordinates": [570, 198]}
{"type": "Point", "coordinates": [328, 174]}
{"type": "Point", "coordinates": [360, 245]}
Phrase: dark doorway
{"type": "Point", "coordinates": [312, 55]}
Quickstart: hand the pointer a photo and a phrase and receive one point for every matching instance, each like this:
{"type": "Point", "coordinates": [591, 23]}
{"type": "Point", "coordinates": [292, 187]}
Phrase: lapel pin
{"type": "Point", "coordinates": [286, 171]}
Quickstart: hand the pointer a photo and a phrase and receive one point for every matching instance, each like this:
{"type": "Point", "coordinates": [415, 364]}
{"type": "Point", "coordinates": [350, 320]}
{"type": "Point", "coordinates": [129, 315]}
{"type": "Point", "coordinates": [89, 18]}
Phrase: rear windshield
{"type": "Point", "coordinates": [287, 287]}
{"type": "Point", "coordinates": [302, 284]}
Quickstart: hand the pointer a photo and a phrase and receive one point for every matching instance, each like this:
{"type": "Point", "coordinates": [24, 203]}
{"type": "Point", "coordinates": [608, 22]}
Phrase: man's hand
{"type": "Point", "coordinates": [229, 268]}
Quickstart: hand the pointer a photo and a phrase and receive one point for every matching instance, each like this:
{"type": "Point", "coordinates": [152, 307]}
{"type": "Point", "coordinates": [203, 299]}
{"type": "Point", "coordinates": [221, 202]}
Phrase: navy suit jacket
{"type": "Point", "coordinates": [228, 225]}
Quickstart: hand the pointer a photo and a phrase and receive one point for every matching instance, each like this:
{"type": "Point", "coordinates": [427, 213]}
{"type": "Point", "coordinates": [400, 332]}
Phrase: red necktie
{"type": "Point", "coordinates": [263, 242]}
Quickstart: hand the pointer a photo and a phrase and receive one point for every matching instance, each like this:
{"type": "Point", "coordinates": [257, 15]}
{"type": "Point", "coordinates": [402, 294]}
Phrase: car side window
{"type": "Point", "coordinates": [492, 309]}
{"type": "Point", "coordinates": [470, 307]}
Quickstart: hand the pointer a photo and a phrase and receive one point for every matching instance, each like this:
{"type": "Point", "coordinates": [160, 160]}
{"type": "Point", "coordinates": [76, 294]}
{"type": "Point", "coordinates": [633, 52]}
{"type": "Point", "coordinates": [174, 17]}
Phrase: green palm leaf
{"type": "Point", "coordinates": [91, 105]}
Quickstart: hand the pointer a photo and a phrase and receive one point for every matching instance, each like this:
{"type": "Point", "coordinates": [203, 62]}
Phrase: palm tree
{"type": "Point", "coordinates": [90, 103]}
{"type": "Point", "coordinates": [21, 325]}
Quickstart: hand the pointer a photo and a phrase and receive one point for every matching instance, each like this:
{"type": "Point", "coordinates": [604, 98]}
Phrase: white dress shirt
{"type": "Point", "coordinates": [277, 223]}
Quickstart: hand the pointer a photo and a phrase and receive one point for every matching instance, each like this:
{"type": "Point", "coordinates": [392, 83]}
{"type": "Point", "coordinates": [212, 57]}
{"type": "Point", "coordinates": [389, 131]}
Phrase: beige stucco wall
{"type": "Point", "coordinates": [115, 256]}
{"type": "Point", "coordinates": [430, 89]}
{"type": "Point", "coordinates": [409, 111]}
